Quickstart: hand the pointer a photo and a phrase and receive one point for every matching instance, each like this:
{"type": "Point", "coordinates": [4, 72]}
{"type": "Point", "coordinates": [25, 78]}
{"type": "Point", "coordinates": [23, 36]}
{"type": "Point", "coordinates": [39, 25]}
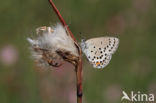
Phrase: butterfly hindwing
{"type": "Point", "coordinates": [99, 50]}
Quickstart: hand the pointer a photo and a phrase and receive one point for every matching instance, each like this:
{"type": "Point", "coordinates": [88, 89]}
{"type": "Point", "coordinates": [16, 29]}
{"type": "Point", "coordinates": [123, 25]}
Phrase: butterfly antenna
{"type": "Point", "coordinates": [82, 36]}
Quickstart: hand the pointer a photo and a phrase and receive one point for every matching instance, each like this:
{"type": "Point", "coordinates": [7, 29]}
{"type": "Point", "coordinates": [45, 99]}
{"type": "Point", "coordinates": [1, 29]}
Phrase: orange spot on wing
{"type": "Point", "coordinates": [97, 63]}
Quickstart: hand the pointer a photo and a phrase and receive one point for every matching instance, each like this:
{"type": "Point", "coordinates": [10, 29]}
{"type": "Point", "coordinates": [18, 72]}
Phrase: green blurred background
{"type": "Point", "coordinates": [132, 68]}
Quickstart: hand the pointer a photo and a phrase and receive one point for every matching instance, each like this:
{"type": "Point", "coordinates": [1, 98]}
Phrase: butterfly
{"type": "Point", "coordinates": [99, 50]}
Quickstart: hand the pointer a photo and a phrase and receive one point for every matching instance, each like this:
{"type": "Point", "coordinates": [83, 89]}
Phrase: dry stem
{"type": "Point", "coordinates": [78, 63]}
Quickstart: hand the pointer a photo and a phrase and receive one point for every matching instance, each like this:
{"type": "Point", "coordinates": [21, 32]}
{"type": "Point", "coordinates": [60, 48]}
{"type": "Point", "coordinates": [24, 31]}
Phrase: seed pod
{"type": "Point", "coordinates": [49, 41]}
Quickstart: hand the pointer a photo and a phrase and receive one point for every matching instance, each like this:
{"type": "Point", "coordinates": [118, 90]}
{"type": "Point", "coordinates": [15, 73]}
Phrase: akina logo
{"type": "Point", "coordinates": [137, 97]}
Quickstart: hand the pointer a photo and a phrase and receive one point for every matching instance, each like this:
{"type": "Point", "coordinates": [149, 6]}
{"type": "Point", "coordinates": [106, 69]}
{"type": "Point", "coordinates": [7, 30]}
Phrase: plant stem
{"type": "Point", "coordinates": [79, 64]}
{"type": "Point", "coordinates": [79, 81]}
{"type": "Point", "coordinates": [61, 19]}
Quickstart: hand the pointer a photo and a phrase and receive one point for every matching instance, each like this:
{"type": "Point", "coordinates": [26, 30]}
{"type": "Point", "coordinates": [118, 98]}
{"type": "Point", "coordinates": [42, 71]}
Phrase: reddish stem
{"type": "Point", "coordinates": [61, 18]}
{"type": "Point", "coordinates": [79, 81]}
{"type": "Point", "coordinates": [79, 65]}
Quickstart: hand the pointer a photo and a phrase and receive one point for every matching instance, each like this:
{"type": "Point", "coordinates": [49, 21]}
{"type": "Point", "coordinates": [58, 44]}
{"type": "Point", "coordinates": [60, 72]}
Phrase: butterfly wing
{"type": "Point", "coordinates": [99, 50]}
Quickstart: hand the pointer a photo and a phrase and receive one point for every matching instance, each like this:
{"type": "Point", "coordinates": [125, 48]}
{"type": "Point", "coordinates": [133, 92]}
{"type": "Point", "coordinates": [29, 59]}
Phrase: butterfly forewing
{"type": "Point", "coordinates": [99, 50]}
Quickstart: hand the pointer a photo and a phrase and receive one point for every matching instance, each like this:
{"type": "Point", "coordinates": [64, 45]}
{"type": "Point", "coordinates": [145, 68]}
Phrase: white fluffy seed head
{"type": "Point", "coordinates": [45, 45]}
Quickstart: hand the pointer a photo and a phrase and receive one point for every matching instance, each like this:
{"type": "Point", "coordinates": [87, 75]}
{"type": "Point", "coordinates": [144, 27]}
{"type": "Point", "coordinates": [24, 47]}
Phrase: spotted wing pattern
{"type": "Point", "coordinates": [99, 50]}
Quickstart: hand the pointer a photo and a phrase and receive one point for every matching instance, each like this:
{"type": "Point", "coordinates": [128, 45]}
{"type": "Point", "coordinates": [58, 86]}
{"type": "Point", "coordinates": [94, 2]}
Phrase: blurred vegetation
{"type": "Point", "coordinates": [131, 68]}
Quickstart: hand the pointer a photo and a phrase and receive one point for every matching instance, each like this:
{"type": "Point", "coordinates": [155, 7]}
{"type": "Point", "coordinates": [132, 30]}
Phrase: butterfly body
{"type": "Point", "coordinates": [99, 50]}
